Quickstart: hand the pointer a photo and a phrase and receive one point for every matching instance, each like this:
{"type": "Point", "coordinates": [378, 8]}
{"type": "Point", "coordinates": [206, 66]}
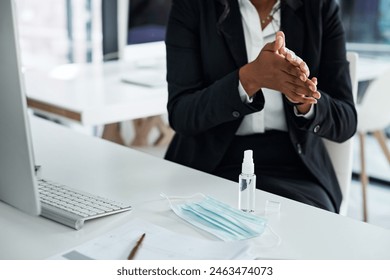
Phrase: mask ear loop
{"type": "Point", "coordinates": [181, 197]}
{"type": "Point", "coordinates": [276, 244]}
{"type": "Point", "coordinates": [170, 198]}
{"type": "Point", "coordinates": [279, 239]}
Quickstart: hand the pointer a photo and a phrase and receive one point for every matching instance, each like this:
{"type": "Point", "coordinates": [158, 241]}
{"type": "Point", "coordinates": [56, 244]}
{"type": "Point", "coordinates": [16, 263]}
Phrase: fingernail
{"type": "Point", "coordinates": [303, 78]}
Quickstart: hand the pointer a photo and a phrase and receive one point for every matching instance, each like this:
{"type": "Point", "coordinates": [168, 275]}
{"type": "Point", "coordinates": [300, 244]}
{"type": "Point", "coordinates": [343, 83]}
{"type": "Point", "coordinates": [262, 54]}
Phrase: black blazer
{"type": "Point", "coordinates": [205, 110]}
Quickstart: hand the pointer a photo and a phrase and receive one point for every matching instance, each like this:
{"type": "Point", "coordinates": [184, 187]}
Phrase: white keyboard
{"type": "Point", "coordinates": [72, 207]}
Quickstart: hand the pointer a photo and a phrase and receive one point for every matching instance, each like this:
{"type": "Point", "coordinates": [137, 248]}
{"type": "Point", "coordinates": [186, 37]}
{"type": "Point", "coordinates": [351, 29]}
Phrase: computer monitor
{"type": "Point", "coordinates": [18, 180]}
{"type": "Point", "coordinates": [141, 34]}
{"type": "Point", "coordinates": [141, 29]}
{"type": "Point", "coordinates": [147, 21]}
{"type": "Point", "coordinates": [18, 186]}
{"type": "Point", "coordinates": [367, 26]}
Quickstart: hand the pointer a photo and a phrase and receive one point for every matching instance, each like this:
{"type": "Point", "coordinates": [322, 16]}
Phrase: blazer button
{"type": "Point", "coordinates": [317, 128]}
{"type": "Point", "coordinates": [299, 148]}
{"type": "Point", "coordinates": [236, 114]}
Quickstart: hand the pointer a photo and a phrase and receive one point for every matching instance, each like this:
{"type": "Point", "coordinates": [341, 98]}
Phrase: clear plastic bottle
{"type": "Point", "coordinates": [247, 184]}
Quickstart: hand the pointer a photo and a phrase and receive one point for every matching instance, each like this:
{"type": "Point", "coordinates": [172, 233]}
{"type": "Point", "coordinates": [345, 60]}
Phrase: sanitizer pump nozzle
{"type": "Point", "coordinates": [247, 184]}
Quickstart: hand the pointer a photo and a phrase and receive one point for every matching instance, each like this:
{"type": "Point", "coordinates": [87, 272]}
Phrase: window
{"type": "Point", "coordinates": [58, 32]}
{"type": "Point", "coordinates": [367, 24]}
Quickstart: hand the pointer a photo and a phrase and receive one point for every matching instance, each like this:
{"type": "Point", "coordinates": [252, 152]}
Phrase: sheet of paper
{"type": "Point", "coordinates": [159, 243]}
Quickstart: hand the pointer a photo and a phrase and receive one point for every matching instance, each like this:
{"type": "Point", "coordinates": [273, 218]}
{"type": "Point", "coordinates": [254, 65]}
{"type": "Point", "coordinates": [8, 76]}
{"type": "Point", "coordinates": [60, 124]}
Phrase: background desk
{"type": "Point", "coordinates": [121, 173]}
{"type": "Point", "coordinates": [371, 67]}
{"type": "Point", "coordinates": [94, 95]}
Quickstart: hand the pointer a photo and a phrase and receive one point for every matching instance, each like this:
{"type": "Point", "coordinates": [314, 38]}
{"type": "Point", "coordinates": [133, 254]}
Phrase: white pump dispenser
{"type": "Point", "coordinates": [248, 166]}
{"type": "Point", "coordinates": [247, 184]}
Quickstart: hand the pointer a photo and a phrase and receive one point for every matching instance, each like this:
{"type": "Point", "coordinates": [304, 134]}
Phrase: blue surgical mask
{"type": "Point", "coordinates": [218, 218]}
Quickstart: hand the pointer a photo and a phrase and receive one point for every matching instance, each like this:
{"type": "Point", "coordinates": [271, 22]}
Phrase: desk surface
{"type": "Point", "coordinates": [371, 67]}
{"type": "Point", "coordinates": [118, 172]}
{"type": "Point", "coordinates": [93, 94]}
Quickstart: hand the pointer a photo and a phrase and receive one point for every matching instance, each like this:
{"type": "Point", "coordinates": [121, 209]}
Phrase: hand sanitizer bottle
{"type": "Point", "coordinates": [247, 184]}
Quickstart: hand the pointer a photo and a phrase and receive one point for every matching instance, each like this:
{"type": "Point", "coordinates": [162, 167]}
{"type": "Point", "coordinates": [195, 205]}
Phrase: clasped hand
{"type": "Point", "coordinates": [278, 68]}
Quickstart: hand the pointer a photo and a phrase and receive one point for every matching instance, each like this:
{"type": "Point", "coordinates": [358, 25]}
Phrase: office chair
{"type": "Point", "coordinates": [341, 153]}
{"type": "Point", "coordinates": [373, 117]}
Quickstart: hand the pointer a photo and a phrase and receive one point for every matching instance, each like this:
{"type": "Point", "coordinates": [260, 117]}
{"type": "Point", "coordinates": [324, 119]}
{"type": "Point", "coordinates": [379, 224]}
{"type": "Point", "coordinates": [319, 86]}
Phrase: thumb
{"type": "Point", "coordinates": [274, 46]}
{"type": "Point", "coordinates": [278, 45]}
{"type": "Point", "coordinates": [280, 42]}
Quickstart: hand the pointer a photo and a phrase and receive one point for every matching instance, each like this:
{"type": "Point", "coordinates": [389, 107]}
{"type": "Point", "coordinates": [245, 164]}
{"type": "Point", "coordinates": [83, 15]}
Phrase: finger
{"type": "Point", "coordinates": [281, 35]}
{"type": "Point", "coordinates": [311, 85]}
{"type": "Point", "coordinates": [290, 55]}
{"type": "Point", "coordinates": [298, 98]}
{"type": "Point", "coordinates": [303, 99]}
{"type": "Point", "coordinates": [279, 43]}
{"type": "Point", "coordinates": [317, 95]}
{"type": "Point", "coordinates": [303, 66]}
{"type": "Point", "coordinates": [294, 71]}
{"type": "Point", "coordinates": [283, 51]}
{"type": "Point", "coordinates": [301, 89]}
{"type": "Point", "coordinates": [297, 61]}
{"type": "Point", "coordinates": [308, 100]}
{"type": "Point", "coordinates": [275, 45]}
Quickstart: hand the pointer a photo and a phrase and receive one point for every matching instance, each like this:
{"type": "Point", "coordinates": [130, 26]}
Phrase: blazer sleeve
{"type": "Point", "coordinates": [336, 117]}
{"type": "Point", "coordinates": [196, 105]}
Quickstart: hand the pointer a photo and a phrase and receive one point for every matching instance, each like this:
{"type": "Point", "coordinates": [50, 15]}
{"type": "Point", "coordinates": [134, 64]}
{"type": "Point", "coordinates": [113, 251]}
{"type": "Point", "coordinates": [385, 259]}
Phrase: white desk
{"type": "Point", "coordinates": [93, 94]}
{"type": "Point", "coordinates": [370, 68]}
{"type": "Point", "coordinates": [112, 170]}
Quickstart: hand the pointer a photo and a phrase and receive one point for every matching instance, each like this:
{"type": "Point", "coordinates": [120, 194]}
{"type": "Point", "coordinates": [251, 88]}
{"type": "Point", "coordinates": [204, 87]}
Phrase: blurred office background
{"type": "Point", "coordinates": [71, 31]}
{"type": "Point", "coordinates": [57, 32]}
{"type": "Point", "coordinates": [53, 33]}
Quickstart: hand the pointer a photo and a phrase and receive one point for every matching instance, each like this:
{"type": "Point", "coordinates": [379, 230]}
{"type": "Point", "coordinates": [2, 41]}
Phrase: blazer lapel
{"type": "Point", "coordinates": [232, 32]}
{"type": "Point", "coordinates": [292, 25]}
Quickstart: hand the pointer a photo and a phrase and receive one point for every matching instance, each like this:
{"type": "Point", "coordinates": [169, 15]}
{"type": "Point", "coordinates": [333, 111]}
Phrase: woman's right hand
{"type": "Point", "coordinates": [279, 69]}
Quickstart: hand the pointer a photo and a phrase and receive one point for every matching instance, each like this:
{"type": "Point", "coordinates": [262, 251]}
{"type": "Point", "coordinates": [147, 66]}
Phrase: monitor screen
{"type": "Point", "coordinates": [141, 30]}
{"type": "Point", "coordinates": [147, 20]}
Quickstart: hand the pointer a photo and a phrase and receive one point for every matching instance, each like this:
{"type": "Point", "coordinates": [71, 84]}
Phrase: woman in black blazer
{"type": "Point", "coordinates": [208, 44]}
